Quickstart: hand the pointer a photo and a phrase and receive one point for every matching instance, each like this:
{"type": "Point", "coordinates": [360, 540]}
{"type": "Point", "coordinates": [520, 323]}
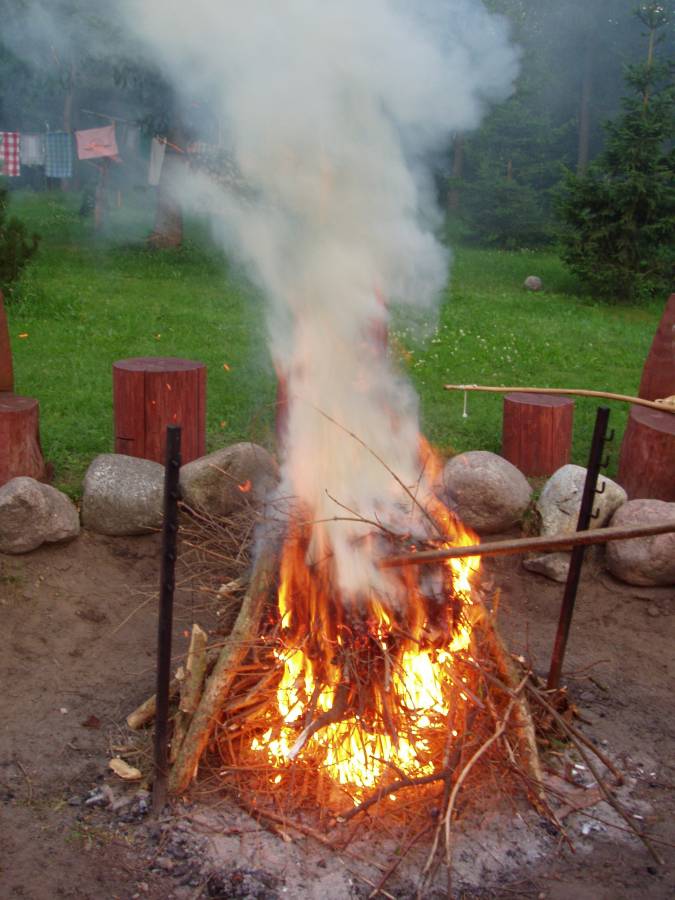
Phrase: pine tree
{"type": "Point", "coordinates": [618, 218]}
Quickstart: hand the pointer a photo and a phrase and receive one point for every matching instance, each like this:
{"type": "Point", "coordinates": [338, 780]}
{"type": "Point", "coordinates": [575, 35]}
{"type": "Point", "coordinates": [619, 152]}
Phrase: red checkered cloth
{"type": "Point", "coordinates": [10, 158]}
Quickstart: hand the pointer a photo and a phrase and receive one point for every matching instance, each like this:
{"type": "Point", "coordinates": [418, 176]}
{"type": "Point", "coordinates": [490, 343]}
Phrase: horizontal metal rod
{"type": "Point", "coordinates": [578, 392]}
{"type": "Point", "coordinates": [526, 545]}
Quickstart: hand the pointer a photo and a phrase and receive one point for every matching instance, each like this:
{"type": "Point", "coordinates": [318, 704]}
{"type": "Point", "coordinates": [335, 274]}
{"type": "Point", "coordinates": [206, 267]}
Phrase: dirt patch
{"type": "Point", "coordinates": [79, 652]}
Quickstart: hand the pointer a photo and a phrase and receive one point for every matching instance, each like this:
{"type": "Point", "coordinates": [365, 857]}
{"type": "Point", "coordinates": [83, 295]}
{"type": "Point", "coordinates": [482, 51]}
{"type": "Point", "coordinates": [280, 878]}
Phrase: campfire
{"type": "Point", "coordinates": [328, 700]}
{"type": "Point", "coordinates": [368, 692]}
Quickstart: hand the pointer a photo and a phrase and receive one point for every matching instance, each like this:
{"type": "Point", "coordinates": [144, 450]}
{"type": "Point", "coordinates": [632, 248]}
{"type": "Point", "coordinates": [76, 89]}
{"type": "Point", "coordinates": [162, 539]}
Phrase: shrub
{"type": "Point", "coordinates": [16, 246]}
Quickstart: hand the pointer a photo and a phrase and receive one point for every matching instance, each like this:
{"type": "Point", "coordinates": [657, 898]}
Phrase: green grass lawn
{"type": "Point", "coordinates": [87, 301]}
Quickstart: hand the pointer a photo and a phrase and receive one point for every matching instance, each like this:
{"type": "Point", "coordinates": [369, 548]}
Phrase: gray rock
{"type": "Point", "coordinates": [123, 495]}
{"type": "Point", "coordinates": [487, 492]}
{"type": "Point", "coordinates": [643, 561]}
{"type": "Point", "coordinates": [553, 565]}
{"type": "Point", "coordinates": [32, 513]}
{"type": "Point", "coordinates": [533, 283]}
{"type": "Point", "coordinates": [224, 481]}
{"type": "Point", "coordinates": [560, 501]}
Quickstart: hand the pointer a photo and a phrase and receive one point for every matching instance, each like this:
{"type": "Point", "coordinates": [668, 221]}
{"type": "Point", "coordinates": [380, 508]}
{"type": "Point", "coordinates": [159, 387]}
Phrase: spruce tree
{"type": "Point", "coordinates": [618, 218]}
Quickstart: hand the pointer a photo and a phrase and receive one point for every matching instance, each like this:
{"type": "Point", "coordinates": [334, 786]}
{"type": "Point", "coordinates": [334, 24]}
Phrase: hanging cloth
{"type": "Point", "coordinates": [157, 151]}
{"type": "Point", "coordinates": [32, 149]}
{"type": "Point", "coordinates": [58, 155]}
{"type": "Point", "coordinates": [96, 142]}
{"type": "Point", "coordinates": [10, 164]}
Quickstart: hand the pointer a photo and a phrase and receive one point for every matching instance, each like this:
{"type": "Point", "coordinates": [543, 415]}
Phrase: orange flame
{"type": "Point", "coordinates": [365, 686]}
{"type": "Point", "coordinates": [245, 487]}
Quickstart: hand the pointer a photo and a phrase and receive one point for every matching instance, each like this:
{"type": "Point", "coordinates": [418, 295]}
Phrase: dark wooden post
{"type": "Point", "coordinates": [165, 621]}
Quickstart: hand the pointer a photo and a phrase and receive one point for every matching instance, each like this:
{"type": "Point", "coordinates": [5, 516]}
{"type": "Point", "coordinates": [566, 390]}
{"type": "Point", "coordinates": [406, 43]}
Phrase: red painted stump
{"type": "Point", "coordinates": [20, 450]}
{"type": "Point", "coordinates": [537, 432]}
{"type": "Point", "coordinates": [647, 462]}
{"type": "Point", "coordinates": [150, 393]}
{"type": "Point", "coordinates": [658, 375]}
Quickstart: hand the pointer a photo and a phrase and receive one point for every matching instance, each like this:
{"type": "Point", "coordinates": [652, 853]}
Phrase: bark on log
{"type": "Point", "coordinates": [236, 646]}
{"type": "Point", "coordinates": [647, 462]}
{"type": "Point", "coordinates": [20, 450]}
{"type": "Point", "coordinates": [195, 670]}
{"type": "Point", "coordinates": [537, 432]}
{"type": "Point", "coordinates": [150, 393]}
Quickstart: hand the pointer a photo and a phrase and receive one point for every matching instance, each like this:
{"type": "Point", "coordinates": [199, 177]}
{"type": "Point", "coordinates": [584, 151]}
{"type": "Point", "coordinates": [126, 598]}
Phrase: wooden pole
{"type": "Point", "coordinates": [165, 623]}
{"type": "Point", "coordinates": [576, 392]}
{"type": "Point", "coordinates": [526, 545]}
{"type": "Point", "coordinates": [578, 552]}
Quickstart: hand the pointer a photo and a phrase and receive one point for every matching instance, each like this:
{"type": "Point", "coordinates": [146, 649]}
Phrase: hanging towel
{"type": "Point", "coordinates": [132, 138]}
{"type": "Point", "coordinates": [32, 149]}
{"type": "Point", "coordinates": [9, 154]}
{"type": "Point", "coordinates": [96, 142]}
{"type": "Point", "coordinates": [59, 155]}
{"type": "Point", "coordinates": [157, 151]}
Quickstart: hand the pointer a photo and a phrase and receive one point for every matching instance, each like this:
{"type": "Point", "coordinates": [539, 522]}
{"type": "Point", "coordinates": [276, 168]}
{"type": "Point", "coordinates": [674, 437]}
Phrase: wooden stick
{"type": "Point", "coordinates": [525, 545]}
{"type": "Point", "coordinates": [195, 670]}
{"type": "Point", "coordinates": [235, 647]}
{"type": "Point", "coordinates": [146, 711]}
{"type": "Point", "coordinates": [577, 392]}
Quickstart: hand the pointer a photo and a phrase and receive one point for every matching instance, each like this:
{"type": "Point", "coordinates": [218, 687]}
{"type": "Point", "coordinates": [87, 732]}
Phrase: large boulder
{"type": "Point", "coordinates": [558, 507]}
{"type": "Point", "coordinates": [560, 501]}
{"type": "Point", "coordinates": [485, 491]}
{"type": "Point", "coordinates": [226, 480]}
{"type": "Point", "coordinates": [32, 513]}
{"type": "Point", "coordinates": [123, 495]}
{"type": "Point", "coordinates": [643, 561]}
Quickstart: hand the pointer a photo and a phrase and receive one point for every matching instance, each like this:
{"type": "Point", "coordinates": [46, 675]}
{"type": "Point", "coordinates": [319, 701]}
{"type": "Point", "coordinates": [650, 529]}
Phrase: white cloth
{"type": "Point", "coordinates": [32, 149]}
{"type": "Point", "coordinates": [157, 151]}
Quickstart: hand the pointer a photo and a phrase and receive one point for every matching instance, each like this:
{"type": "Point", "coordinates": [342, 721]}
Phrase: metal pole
{"type": "Point", "coordinates": [165, 621]}
{"type": "Point", "coordinates": [595, 463]}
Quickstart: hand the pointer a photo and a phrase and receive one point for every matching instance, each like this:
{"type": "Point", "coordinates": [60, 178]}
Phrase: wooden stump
{"type": "Point", "coordinates": [537, 432]}
{"type": "Point", "coordinates": [6, 373]}
{"type": "Point", "coordinates": [20, 450]}
{"type": "Point", "coordinates": [658, 375]}
{"type": "Point", "coordinates": [150, 393]}
{"type": "Point", "coordinates": [647, 462]}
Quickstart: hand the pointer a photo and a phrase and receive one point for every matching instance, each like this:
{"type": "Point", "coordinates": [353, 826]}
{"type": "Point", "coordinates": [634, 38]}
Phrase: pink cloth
{"type": "Point", "coordinates": [10, 154]}
{"type": "Point", "coordinates": [96, 142]}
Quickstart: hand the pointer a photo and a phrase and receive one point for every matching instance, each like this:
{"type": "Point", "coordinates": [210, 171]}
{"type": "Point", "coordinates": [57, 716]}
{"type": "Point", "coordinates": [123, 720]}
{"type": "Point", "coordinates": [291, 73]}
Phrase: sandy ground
{"type": "Point", "coordinates": [78, 655]}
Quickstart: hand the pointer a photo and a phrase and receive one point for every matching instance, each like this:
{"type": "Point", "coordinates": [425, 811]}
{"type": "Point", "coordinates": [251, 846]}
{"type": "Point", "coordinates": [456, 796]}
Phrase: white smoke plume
{"type": "Point", "coordinates": [332, 111]}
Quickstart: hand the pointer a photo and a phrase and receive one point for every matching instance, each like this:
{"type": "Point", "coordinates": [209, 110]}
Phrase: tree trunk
{"type": "Point", "coordinates": [584, 150]}
{"type": "Point", "coordinates": [456, 172]}
{"type": "Point", "coordinates": [68, 118]}
{"type": "Point", "coordinates": [168, 230]}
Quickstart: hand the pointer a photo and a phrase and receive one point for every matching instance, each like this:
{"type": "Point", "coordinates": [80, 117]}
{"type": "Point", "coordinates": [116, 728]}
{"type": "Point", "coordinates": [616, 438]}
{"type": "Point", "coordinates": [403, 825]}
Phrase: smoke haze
{"type": "Point", "coordinates": [331, 111]}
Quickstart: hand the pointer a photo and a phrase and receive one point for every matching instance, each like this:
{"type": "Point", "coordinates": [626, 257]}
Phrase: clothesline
{"type": "Point", "coordinates": [54, 149]}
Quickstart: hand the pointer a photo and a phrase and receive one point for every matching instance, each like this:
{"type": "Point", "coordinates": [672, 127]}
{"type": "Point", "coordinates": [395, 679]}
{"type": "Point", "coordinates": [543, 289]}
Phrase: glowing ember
{"type": "Point", "coordinates": [367, 687]}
